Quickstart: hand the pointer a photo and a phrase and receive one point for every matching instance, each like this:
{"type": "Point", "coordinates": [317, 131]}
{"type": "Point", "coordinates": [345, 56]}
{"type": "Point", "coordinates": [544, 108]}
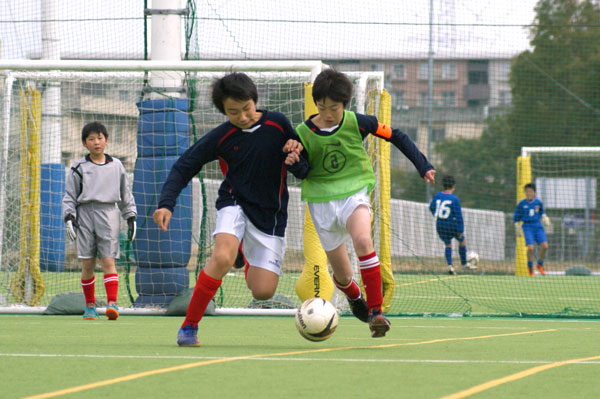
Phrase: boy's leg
{"type": "Point", "coordinates": [462, 249]}
{"type": "Point", "coordinates": [359, 227]}
{"type": "Point", "coordinates": [262, 282]}
{"type": "Point", "coordinates": [541, 257]}
{"type": "Point", "coordinates": [343, 280]}
{"type": "Point", "coordinates": [88, 282]}
{"type": "Point", "coordinates": [111, 285]}
{"type": "Point", "coordinates": [530, 259]}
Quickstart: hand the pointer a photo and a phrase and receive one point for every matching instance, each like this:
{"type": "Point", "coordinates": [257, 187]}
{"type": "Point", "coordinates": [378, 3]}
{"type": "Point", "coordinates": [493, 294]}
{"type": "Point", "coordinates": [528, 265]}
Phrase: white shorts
{"type": "Point", "coordinates": [330, 218]}
{"type": "Point", "coordinates": [261, 250]}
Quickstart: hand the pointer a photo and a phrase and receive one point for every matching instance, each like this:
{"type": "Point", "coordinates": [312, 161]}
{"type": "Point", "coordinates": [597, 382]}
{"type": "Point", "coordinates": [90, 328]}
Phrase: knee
{"type": "Point", "coordinates": [363, 244]}
{"type": "Point", "coordinates": [262, 293]}
{"type": "Point", "coordinates": [223, 259]}
{"type": "Point", "coordinates": [544, 245]}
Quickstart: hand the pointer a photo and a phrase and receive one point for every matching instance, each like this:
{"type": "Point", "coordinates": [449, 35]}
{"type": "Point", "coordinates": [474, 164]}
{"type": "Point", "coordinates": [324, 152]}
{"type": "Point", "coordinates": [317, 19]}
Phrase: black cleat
{"type": "Point", "coordinates": [359, 308]}
{"type": "Point", "coordinates": [378, 323]}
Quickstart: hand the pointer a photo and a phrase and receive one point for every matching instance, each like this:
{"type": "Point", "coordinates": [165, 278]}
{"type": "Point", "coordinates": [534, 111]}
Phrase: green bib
{"type": "Point", "coordinates": [339, 164]}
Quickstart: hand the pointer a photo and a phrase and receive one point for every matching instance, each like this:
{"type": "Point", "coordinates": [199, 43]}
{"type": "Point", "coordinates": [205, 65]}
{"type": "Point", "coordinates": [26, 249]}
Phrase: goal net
{"type": "Point", "coordinates": [43, 113]}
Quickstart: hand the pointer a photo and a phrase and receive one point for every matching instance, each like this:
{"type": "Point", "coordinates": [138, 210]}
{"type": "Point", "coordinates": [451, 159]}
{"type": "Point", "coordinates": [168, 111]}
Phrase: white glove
{"type": "Point", "coordinates": [71, 225]}
{"type": "Point", "coordinates": [518, 229]}
{"type": "Point", "coordinates": [546, 220]}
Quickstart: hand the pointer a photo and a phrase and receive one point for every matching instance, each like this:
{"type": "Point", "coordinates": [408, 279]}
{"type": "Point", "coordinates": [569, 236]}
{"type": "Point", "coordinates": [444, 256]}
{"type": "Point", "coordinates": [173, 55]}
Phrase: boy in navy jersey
{"type": "Point", "coordinates": [445, 207]}
{"type": "Point", "coordinates": [337, 181]}
{"type": "Point", "coordinates": [530, 211]}
{"type": "Point", "coordinates": [252, 199]}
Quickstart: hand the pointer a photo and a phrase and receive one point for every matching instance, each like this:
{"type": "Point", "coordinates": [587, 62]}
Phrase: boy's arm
{"type": "Point", "coordinates": [127, 204]}
{"type": "Point", "coordinates": [368, 124]}
{"type": "Point", "coordinates": [297, 164]}
{"type": "Point", "coordinates": [545, 219]}
{"type": "Point", "coordinates": [432, 207]}
{"type": "Point", "coordinates": [459, 217]}
{"type": "Point", "coordinates": [72, 191]}
{"type": "Point", "coordinates": [185, 168]}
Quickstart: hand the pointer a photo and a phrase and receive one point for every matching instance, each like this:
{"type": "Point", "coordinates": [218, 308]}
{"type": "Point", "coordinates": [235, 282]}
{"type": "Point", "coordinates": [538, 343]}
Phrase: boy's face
{"type": "Point", "coordinates": [242, 114]}
{"type": "Point", "coordinates": [331, 112]}
{"type": "Point", "coordinates": [529, 193]}
{"type": "Point", "coordinates": [95, 143]}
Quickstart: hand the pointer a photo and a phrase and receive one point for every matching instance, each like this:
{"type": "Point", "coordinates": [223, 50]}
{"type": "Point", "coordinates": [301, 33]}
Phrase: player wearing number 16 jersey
{"type": "Point", "coordinates": [449, 224]}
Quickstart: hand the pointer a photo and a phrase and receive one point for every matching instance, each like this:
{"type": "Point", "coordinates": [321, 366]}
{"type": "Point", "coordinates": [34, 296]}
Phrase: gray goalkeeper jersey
{"type": "Point", "coordinates": [104, 183]}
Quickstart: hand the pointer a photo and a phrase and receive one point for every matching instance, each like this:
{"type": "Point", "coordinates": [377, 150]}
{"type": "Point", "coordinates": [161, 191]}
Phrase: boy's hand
{"type": "Point", "coordinates": [292, 158]}
{"type": "Point", "coordinates": [162, 217]}
{"type": "Point", "coordinates": [546, 220]}
{"type": "Point", "coordinates": [71, 224]}
{"type": "Point", "coordinates": [518, 229]}
{"type": "Point", "coordinates": [132, 228]}
{"type": "Point", "coordinates": [293, 146]}
{"type": "Point", "coordinates": [430, 177]}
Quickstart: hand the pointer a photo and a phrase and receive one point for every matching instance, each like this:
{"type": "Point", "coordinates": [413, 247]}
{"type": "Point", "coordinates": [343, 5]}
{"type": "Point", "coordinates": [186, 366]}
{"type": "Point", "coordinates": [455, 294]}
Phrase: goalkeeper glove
{"type": "Point", "coordinates": [71, 224]}
{"type": "Point", "coordinates": [546, 220]}
{"type": "Point", "coordinates": [518, 230]}
{"type": "Point", "coordinates": [132, 228]}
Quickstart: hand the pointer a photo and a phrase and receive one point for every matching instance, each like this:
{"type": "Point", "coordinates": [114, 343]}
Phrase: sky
{"type": "Point", "coordinates": [283, 29]}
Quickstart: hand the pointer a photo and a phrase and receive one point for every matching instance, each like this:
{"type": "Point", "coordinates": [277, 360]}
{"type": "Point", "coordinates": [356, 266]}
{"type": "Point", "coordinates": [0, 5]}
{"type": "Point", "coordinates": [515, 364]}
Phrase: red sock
{"type": "Point", "coordinates": [371, 277]}
{"type": "Point", "coordinates": [111, 284]}
{"type": "Point", "coordinates": [206, 287]}
{"type": "Point", "coordinates": [351, 289]}
{"type": "Point", "coordinates": [88, 290]}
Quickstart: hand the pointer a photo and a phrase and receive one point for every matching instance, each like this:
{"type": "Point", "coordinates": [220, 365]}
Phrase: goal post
{"type": "Point", "coordinates": [108, 91]}
{"type": "Point", "coordinates": [566, 182]}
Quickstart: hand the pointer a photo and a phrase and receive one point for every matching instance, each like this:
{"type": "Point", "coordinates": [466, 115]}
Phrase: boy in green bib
{"type": "Point", "coordinates": [337, 179]}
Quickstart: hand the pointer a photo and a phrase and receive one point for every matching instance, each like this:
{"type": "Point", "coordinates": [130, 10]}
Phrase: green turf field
{"type": "Point", "coordinates": [472, 294]}
{"type": "Point", "coordinates": [264, 357]}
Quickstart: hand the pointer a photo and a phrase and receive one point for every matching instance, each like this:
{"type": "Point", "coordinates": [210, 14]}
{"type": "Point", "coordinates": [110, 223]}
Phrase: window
{"type": "Point", "coordinates": [93, 89]}
{"type": "Point", "coordinates": [438, 134]}
{"type": "Point", "coordinates": [399, 71]}
{"type": "Point", "coordinates": [377, 66]}
{"type": "Point", "coordinates": [504, 97]}
{"type": "Point", "coordinates": [397, 99]}
{"type": "Point", "coordinates": [503, 70]}
{"type": "Point", "coordinates": [423, 70]}
{"type": "Point", "coordinates": [123, 95]}
{"type": "Point", "coordinates": [423, 98]}
{"type": "Point", "coordinates": [448, 70]}
{"type": "Point", "coordinates": [478, 77]}
{"type": "Point", "coordinates": [448, 99]}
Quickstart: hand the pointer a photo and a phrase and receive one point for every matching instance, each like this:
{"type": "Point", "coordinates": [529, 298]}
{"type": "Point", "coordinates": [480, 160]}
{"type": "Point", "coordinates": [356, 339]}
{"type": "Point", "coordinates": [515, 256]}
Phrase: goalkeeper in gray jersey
{"type": "Point", "coordinates": [96, 195]}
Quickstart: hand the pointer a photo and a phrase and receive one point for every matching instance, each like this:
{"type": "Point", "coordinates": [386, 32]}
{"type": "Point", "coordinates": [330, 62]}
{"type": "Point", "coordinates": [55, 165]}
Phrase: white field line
{"type": "Point", "coordinates": [293, 359]}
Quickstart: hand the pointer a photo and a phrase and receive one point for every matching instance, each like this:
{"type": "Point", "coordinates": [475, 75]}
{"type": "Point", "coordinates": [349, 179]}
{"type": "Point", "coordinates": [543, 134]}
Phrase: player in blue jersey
{"type": "Point", "coordinates": [445, 207]}
{"type": "Point", "coordinates": [531, 212]}
{"type": "Point", "coordinates": [252, 147]}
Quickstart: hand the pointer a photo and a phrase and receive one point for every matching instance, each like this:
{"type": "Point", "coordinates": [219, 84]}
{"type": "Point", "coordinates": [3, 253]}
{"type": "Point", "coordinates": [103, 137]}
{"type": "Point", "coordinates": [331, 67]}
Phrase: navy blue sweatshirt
{"type": "Point", "coordinates": [368, 124]}
{"type": "Point", "coordinates": [253, 163]}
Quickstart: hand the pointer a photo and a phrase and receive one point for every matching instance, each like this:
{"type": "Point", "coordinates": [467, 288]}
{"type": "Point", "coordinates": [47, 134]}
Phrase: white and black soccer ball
{"type": "Point", "coordinates": [316, 319]}
{"type": "Point", "coordinates": [472, 258]}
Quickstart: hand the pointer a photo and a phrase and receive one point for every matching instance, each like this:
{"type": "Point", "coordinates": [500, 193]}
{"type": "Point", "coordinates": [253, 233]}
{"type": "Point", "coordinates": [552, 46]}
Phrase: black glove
{"type": "Point", "coordinates": [132, 228]}
{"type": "Point", "coordinates": [72, 225]}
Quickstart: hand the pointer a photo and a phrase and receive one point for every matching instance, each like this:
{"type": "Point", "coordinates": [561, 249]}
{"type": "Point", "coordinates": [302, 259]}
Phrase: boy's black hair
{"type": "Point", "coordinates": [235, 85]}
{"type": "Point", "coordinates": [95, 127]}
{"type": "Point", "coordinates": [448, 182]}
{"type": "Point", "coordinates": [529, 185]}
{"type": "Point", "coordinates": [333, 84]}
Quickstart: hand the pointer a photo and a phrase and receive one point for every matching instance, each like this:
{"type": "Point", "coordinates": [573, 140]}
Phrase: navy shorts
{"type": "Point", "coordinates": [534, 233]}
{"type": "Point", "coordinates": [447, 234]}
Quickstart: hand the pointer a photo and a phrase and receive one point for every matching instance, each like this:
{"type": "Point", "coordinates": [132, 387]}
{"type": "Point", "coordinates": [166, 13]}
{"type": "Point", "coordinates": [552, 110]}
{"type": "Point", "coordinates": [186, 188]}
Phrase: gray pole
{"type": "Point", "coordinates": [429, 94]}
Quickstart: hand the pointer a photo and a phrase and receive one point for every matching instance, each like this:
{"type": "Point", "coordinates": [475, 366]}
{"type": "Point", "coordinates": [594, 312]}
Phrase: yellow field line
{"type": "Point", "coordinates": [231, 359]}
{"type": "Point", "coordinates": [429, 280]}
{"type": "Point", "coordinates": [513, 377]}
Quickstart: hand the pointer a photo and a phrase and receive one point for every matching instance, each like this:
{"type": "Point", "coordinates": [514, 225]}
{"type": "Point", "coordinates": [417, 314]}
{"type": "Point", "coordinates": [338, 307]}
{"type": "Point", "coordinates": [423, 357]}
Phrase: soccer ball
{"type": "Point", "coordinates": [472, 258]}
{"type": "Point", "coordinates": [316, 319]}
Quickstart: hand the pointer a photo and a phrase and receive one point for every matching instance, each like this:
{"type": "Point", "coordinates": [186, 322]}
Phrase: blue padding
{"type": "Point", "coordinates": [152, 246]}
{"type": "Point", "coordinates": [52, 227]}
{"type": "Point", "coordinates": [169, 281]}
{"type": "Point", "coordinates": [153, 301]}
{"type": "Point", "coordinates": [163, 128]}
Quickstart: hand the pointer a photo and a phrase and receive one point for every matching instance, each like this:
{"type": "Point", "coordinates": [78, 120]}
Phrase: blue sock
{"type": "Point", "coordinates": [448, 254]}
{"type": "Point", "coordinates": [462, 251]}
{"type": "Point", "coordinates": [530, 266]}
{"type": "Point", "coordinates": [541, 262]}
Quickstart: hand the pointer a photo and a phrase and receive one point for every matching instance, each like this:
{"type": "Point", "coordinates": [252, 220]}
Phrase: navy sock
{"type": "Point", "coordinates": [462, 251]}
{"type": "Point", "coordinates": [448, 254]}
{"type": "Point", "coordinates": [530, 266]}
{"type": "Point", "coordinates": [541, 262]}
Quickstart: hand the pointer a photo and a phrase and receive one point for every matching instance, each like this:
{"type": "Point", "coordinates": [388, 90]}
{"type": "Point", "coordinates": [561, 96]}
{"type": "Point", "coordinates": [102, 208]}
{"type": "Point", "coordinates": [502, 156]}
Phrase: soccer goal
{"type": "Point", "coordinates": [44, 107]}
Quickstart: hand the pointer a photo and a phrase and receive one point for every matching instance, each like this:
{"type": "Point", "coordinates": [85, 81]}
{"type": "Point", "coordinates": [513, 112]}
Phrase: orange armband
{"type": "Point", "coordinates": [383, 131]}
